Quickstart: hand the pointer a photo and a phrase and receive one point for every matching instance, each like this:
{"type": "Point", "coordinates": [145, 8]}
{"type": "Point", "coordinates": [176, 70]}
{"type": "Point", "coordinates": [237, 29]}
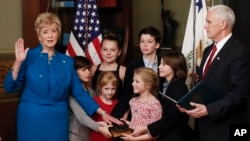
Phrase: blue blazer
{"type": "Point", "coordinates": [34, 80]}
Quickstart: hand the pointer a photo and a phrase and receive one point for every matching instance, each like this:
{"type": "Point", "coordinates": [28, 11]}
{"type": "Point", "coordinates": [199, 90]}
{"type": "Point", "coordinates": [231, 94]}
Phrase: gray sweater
{"type": "Point", "coordinates": [80, 122]}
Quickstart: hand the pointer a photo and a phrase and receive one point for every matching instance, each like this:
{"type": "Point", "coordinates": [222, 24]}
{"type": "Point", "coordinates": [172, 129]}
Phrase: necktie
{"type": "Point", "coordinates": [209, 61]}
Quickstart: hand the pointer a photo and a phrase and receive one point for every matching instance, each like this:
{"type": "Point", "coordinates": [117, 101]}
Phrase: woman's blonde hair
{"type": "Point", "coordinates": [107, 77]}
{"type": "Point", "coordinates": [150, 78]}
{"type": "Point", "coordinates": [45, 19]}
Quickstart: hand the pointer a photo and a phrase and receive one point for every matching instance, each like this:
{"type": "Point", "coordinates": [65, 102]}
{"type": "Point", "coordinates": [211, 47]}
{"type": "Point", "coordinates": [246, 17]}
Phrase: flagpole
{"type": "Point", "coordinates": [86, 29]}
{"type": "Point", "coordinates": [85, 38]}
{"type": "Point", "coordinates": [194, 41]}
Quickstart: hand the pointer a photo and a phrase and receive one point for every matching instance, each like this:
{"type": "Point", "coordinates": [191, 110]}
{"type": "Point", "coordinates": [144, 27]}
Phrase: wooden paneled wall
{"type": "Point", "coordinates": [8, 102]}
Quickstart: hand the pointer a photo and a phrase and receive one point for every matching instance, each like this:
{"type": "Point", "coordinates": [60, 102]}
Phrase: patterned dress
{"type": "Point", "coordinates": [144, 112]}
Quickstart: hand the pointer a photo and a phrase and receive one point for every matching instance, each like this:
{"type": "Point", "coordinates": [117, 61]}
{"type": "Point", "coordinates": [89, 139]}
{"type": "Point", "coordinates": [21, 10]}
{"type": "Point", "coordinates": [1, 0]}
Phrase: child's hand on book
{"type": "Point", "coordinates": [104, 130]}
{"type": "Point", "coordinates": [110, 119]}
{"type": "Point", "coordinates": [102, 123]}
{"type": "Point", "coordinates": [118, 130]}
{"type": "Point", "coordinates": [125, 121]}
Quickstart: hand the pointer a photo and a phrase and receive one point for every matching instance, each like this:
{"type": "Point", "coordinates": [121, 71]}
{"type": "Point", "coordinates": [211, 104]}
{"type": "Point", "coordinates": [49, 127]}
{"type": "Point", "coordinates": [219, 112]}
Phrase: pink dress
{"type": "Point", "coordinates": [144, 112]}
{"type": "Point", "coordinates": [94, 136]}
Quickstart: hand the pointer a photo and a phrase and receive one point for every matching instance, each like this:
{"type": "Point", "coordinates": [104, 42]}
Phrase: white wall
{"type": "Point", "coordinates": [145, 13]}
{"type": "Point", "coordinates": [10, 24]}
{"type": "Point", "coordinates": [148, 12]}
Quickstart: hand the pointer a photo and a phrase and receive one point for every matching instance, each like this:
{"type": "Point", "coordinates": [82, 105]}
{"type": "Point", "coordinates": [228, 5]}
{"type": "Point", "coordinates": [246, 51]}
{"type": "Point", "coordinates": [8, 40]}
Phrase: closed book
{"type": "Point", "coordinates": [201, 93]}
{"type": "Point", "coordinates": [118, 130]}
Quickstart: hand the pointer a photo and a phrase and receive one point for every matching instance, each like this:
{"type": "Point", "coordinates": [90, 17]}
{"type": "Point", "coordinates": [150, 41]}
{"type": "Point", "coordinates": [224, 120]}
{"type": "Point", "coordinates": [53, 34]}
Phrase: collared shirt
{"type": "Point", "coordinates": [219, 46]}
{"type": "Point", "coordinates": [165, 86]}
{"type": "Point", "coordinates": [153, 66]}
{"type": "Point", "coordinates": [221, 43]}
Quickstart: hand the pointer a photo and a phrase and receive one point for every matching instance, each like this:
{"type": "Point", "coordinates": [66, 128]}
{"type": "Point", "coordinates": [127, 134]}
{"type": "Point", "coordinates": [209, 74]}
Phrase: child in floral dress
{"type": "Point", "coordinates": [144, 106]}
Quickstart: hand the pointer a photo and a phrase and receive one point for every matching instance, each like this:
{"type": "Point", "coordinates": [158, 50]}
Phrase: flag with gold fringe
{"type": "Point", "coordinates": [195, 39]}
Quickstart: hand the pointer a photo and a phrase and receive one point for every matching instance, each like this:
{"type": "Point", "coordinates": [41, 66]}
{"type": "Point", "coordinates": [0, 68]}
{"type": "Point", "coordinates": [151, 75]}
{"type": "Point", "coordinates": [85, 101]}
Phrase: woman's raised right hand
{"type": "Point", "coordinates": [20, 52]}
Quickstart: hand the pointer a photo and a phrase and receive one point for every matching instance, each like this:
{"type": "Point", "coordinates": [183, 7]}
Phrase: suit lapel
{"type": "Point", "coordinates": [220, 56]}
{"type": "Point", "coordinates": [205, 55]}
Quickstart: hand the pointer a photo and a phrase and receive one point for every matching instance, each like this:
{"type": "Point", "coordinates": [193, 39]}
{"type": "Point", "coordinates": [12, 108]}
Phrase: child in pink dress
{"type": "Point", "coordinates": [145, 108]}
{"type": "Point", "coordinates": [107, 87]}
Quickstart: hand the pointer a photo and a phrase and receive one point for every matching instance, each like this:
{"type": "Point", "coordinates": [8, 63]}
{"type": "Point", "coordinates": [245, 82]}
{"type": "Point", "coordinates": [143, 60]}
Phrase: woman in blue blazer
{"type": "Point", "coordinates": [46, 77]}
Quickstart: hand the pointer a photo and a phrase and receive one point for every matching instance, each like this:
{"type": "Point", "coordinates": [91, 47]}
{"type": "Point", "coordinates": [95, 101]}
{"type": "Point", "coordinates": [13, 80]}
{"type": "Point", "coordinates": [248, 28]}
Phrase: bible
{"type": "Point", "coordinates": [118, 130]}
{"type": "Point", "coordinates": [201, 93]}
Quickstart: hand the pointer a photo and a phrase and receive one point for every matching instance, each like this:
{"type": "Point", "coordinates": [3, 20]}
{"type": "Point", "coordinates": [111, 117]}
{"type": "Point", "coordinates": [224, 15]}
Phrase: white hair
{"type": "Point", "coordinates": [223, 12]}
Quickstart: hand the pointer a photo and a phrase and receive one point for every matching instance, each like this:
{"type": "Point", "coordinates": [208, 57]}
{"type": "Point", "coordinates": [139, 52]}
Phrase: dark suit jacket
{"type": "Point", "coordinates": [173, 126]}
{"type": "Point", "coordinates": [229, 75]}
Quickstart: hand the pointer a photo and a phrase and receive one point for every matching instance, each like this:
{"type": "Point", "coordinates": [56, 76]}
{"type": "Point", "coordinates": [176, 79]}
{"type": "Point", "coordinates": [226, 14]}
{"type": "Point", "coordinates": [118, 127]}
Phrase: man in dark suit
{"type": "Point", "coordinates": [228, 74]}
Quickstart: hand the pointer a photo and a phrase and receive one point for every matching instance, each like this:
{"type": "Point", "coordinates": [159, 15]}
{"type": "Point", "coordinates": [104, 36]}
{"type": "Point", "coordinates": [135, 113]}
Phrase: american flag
{"type": "Point", "coordinates": [85, 37]}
